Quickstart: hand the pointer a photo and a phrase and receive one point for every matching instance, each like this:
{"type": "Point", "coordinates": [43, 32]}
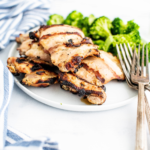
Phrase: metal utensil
{"type": "Point", "coordinates": [126, 66]}
{"type": "Point", "coordinates": [137, 76]}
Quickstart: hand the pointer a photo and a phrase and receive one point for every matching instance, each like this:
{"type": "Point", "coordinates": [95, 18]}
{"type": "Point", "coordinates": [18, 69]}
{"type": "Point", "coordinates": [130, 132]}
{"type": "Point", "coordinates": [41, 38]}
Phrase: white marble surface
{"type": "Point", "coordinates": [113, 129]}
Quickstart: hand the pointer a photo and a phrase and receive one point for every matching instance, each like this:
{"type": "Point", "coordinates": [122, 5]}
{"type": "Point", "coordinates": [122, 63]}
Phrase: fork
{"type": "Point", "coordinates": [139, 78]}
{"type": "Point", "coordinates": [126, 66]}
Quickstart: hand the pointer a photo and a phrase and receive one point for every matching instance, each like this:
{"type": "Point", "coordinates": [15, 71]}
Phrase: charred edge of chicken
{"type": "Point", "coordinates": [40, 81]}
{"type": "Point", "coordinates": [32, 35]}
{"type": "Point", "coordinates": [44, 27]}
{"type": "Point", "coordinates": [80, 91]}
{"type": "Point", "coordinates": [61, 33]}
{"type": "Point", "coordinates": [97, 74]}
{"type": "Point", "coordinates": [86, 40]}
{"type": "Point", "coordinates": [76, 60]}
{"type": "Point", "coordinates": [36, 65]}
{"type": "Point", "coordinates": [39, 61]}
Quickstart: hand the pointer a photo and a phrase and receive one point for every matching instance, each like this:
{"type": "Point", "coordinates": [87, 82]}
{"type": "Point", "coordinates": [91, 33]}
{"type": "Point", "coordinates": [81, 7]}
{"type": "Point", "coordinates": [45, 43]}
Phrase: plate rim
{"type": "Point", "coordinates": [69, 107]}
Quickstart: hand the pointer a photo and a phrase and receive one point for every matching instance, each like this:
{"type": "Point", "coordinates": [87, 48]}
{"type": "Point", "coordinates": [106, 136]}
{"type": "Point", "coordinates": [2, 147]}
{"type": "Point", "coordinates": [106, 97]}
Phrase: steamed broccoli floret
{"type": "Point", "coordinates": [100, 44]}
{"type": "Point", "coordinates": [100, 28]}
{"type": "Point", "coordinates": [148, 46]}
{"type": "Point", "coordinates": [74, 19]}
{"type": "Point", "coordinates": [118, 27]}
{"type": "Point", "coordinates": [131, 26]}
{"type": "Point", "coordinates": [86, 23]}
{"type": "Point", "coordinates": [55, 19]}
{"type": "Point", "coordinates": [85, 31]}
{"type": "Point", "coordinates": [132, 38]}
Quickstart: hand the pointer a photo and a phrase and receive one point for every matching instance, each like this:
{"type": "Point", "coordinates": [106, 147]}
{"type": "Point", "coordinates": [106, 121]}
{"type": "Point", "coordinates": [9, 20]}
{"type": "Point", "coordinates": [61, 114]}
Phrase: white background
{"type": "Point", "coordinates": [113, 129]}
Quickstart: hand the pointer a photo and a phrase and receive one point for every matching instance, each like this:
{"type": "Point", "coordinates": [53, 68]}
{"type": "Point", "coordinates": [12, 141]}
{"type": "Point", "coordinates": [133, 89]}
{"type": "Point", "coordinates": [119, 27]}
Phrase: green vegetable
{"type": "Point", "coordinates": [148, 46]}
{"type": "Point", "coordinates": [100, 44]}
{"type": "Point", "coordinates": [100, 29]}
{"type": "Point", "coordinates": [120, 28]}
{"type": "Point", "coordinates": [74, 19]}
{"type": "Point", "coordinates": [132, 38]}
{"type": "Point", "coordinates": [131, 26]}
{"type": "Point", "coordinates": [86, 23]}
{"type": "Point", "coordinates": [55, 19]}
{"type": "Point", "coordinates": [104, 32]}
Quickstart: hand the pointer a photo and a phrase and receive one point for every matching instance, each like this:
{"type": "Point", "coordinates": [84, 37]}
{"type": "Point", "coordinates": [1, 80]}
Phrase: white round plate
{"type": "Point", "coordinates": [118, 94]}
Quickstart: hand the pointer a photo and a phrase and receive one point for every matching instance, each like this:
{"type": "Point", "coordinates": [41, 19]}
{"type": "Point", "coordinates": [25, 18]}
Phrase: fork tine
{"type": "Point", "coordinates": [147, 64]}
{"type": "Point", "coordinates": [125, 59]}
{"type": "Point", "coordinates": [121, 61]}
{"type": "Point", "coordinates": [133, 62]}
{"type": "Point", "coordinates": [127, 53]}
{"type": "Point", "coordinates": [142, 68]}
{"type": "Point", "coordinates": [138, 61]}
{"type": "Point", "coordinates": [130, 49]}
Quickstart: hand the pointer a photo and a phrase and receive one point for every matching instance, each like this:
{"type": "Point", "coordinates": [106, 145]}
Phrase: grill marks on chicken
{"type": "Point", "coordinates": [94, 94]}
{"type": "Point", "coordinates": [40, 78]}
{"type": "Point", "coordinates": [67, 48]}
{"type": "Point", "coordinates": [36, 51]}
{"type": "Point", "coordinates": [99, 71]}
{"type": "Point", "coordinates": [51, 41]}
{"type": "Point", "coordinates": [22, 38]}
{"type": "Point", "coordinates": [21, 65]}
{"type": "Point", "coordinates": [44, 30]}
{"type": "Point", "coordinates": [35, 74]}
{"type": "Point", "coordinates": [25, 46]}
{"type": "Point", "coordinates": [67, 57]}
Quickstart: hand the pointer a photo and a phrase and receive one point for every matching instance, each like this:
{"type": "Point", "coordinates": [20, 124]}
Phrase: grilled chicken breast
{"type": "Point", "coordinates": [36, 51]}
{"type": "Point", "coordinates": [22, 38]}
{"type": "Point", "coordinates": [21, 65]}
{"type": "Point", "coordinates": [40, 78]}
{"type": "Point", "coordinates": [53, 40]}
{"type": "Point", "coordinates": [58, 28]}
{"type": "Point", "coordinates": [35, 74]}
{"type": "Point", "coordinates": [99, 71]}
{"type": "Point", "coordinates": [39, 61]}
{"type": "Point", "coordinates": [68, 57]}
{"type": "Point", "coordinates": [25, 46]}
{"type": "Point", "coordinates": [95, 94]}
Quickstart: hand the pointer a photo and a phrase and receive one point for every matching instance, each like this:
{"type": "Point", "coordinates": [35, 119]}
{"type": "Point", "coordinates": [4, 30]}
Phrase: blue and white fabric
{"type": "Point", "coordinates": [19, 16]}
{"type": "Point", "coordinates": [11, 139]}
{"type": "Point", "coordinates": [16, 140]}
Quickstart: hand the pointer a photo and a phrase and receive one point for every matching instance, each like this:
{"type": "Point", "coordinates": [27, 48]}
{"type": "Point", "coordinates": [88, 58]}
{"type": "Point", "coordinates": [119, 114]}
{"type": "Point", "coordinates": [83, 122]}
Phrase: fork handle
{"type": "Point", "coordinates": [141, 143]}
{"type": "Point", "coordinates": [147, 111]}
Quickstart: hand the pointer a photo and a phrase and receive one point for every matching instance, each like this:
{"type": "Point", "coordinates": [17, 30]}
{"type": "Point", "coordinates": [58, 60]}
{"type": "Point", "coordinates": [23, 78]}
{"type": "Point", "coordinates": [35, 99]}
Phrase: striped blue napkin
{"type": "Point", "coordinates": [19, 16]}
{"type": "Point", "coordinates": [15, 140]}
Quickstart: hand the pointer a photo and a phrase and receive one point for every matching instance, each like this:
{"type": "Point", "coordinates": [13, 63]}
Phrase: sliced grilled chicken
{"type": "Point", "coordinates": [25, 65]}
{"type": "Point", "coordinates": [35, 74]}
{"type": "Point", "coordinates": [40, 78]}
{"type": "Point", "coordinates": [25, 46]}
{"type": "Point", "coordinates": [86, 40]}
{"type": "Point", "coordinates": [68, 57]}
{"type": "Point", "coordinates": [36, 51]}
{"type": "Point", "coordinates": [22, 38]}
{"type": "Point", "coordinates": [99, 71]}
{"type": "Point", "coordinates": [58, 28]}
{"type": "Point", "coordinates": [95, 94]}
{"type": "Point", "coordinates": [39, 61]}
{"type": "Point", "coordinates": [21, 65]}
{"type": "Point", "coordinates": [51, 41]}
